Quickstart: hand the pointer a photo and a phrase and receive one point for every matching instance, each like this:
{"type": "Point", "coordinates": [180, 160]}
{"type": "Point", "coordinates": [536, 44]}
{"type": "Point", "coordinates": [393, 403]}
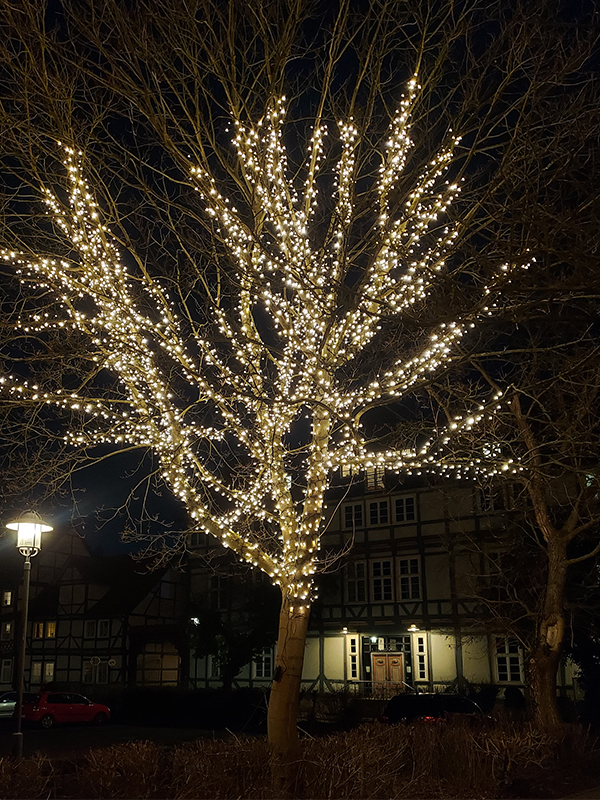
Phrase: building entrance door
{"type": "Point", "coordinates": [388, 673]}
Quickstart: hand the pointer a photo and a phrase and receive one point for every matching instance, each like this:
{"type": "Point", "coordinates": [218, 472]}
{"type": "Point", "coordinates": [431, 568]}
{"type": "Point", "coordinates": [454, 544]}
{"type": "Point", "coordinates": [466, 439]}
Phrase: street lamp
{"type": "Point", "coordinates": [29, 527]}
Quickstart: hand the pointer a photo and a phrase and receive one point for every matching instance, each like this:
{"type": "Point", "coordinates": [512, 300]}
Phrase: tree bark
{"type": "Point", "coordinates": [285, 695]}
{"type": "Point", "coordinates": [546, 654]}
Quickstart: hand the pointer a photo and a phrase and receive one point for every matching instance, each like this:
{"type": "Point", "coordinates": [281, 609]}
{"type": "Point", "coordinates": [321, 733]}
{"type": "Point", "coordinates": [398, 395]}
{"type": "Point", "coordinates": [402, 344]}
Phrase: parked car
{"type": "Point", "coordinates": [48, 708]}
{"type": "Point", "coordinates": [433, 707]}
{"type": "Point", "coordinates": [8, 701]}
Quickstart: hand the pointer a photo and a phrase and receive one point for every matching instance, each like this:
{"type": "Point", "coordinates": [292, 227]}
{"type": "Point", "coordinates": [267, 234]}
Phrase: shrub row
{"type": "Point", "coordinates": [371, 761]}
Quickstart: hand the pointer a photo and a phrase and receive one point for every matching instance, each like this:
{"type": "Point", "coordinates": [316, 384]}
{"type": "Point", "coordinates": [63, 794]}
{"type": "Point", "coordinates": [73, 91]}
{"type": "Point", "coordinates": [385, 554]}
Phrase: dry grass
{"type": "Point", "coordinates": [371, 761]}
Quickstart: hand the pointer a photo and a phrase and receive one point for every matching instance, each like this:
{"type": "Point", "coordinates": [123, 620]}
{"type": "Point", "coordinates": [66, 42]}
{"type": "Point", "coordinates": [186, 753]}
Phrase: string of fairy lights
{"type": "Point", "coordinates": [257, 393]}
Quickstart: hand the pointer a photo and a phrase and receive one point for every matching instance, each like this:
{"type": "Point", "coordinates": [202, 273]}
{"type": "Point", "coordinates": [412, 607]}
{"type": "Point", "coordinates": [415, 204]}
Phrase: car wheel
{"type": "Point", "coordinates": [100, 718]}
{"type": "Point", "coordinates": [47, 721]}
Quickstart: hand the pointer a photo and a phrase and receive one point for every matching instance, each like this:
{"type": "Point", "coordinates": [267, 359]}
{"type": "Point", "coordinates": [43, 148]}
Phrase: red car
{"type": "Point", "coordinates": [50, 707]}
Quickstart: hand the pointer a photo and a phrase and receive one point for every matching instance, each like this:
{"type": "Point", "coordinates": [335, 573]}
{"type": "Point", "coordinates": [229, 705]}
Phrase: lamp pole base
{"type": "Point", "coordinates": [17, 745]}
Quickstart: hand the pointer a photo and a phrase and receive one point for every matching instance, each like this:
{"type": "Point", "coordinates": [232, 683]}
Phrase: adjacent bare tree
{"type": "Point", "coordinates": [251, 291]}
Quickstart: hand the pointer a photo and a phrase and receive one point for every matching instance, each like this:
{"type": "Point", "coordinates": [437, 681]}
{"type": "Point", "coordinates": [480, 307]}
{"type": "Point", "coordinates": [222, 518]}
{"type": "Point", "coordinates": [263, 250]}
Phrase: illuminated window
{"type": "Point", "coordinates": [7, 598]}
{"type": "Point", "coordinates": [352, 657]}
{"type": "Point", "coordinates": [375, 477]}
{"type": "Point", "coordinates": [38, 630]}
{"type": "Point", "coordinates": [6, 631]}
{"type": "Point", "coordinates": [51, 630]}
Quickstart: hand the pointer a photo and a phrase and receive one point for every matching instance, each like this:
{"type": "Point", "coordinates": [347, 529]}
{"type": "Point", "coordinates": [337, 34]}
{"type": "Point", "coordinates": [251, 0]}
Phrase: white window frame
{"type": "Point", "coordinates": [420, 657]}
{"type": "Point", "coordinates": [379, 512]}
{"type": "Point", "coordinates": [508, 660]}
{"type": "Point", "coordinates": [36, 672]}
{"type": "Point", "coordinates": [410, 583]}
{"type": "Point", "coordinates": [262, 664]}
{"type": "Point", "coordinates": [382, 580]}
{"type": "Point", "coordinates": [37, 630]}
{"type": "Point", "coordinates": [49, 670]}
{"type": "Point", "coordinates": [7, 599]}
{"type": "Point", "coordinates": [405, 508]}
{"type": "Point", "coordinates": [352, 658]}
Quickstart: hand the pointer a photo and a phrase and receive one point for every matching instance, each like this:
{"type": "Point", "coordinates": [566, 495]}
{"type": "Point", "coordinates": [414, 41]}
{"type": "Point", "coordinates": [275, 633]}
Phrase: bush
{"type": "Point", "coordinates": [375, 761]}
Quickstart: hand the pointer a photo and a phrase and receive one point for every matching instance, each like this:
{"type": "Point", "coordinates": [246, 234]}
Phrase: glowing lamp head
{"type": "Point", "coordinates": [29, 527]}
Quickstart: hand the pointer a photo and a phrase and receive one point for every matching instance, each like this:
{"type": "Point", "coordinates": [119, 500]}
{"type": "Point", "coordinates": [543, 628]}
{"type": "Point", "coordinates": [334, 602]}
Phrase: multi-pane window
{"type": "Point", "coordinates": [378, 512]}
{"type": "Point", "coordinates": [353, 515]}
{"type": "Point", "coordinates": [382, 580]}
{"type": "Point", "coordinates": [356, 583]}
{"type": "Point", "coordinates": [51, 629]}
{"type": "Point", "coordinates": [345, 472]}
{"type": "Point", "coordinates": [410, 578]}
{"type": "Point", "coordinates": [375, 477]}
{"type": "Point", "coordinates": [263, 664]}
{"type": "Point", "coordinates": [38, 630]}
{"type": "Point", "coordinates": [218, 592]}
{"type": "Point", "coordinates": [103, 628]}
{"type": "Point", "coordinates": [42, 672]}
{"type": "Point", "coordinates": [89, 629]}
{"type": "Point", "coordinates": [421, 659]}
{"type": "Point", "coordinates": [404, 509]}
{"type": "Point", "coordinates": [6, 631]}
{"type": "Point", "coordinates": [496, 498]}
{"type": "Point", "coordinates": [7, 598]}
{"type": "Point", "coordinates": [509, 660]}
{"type": "Point", "coordinates": [353, 657]}
{"type": "Point", "coordinates": [6, 670]}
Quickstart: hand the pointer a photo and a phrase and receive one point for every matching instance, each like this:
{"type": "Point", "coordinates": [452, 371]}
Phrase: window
{"type": "Point", "coordinates": [410, 578]}
{"type": "Point", "coordinates": [353, 657]}
{"type": "Point", "coordinates": [421, 659]}
{"type": "Point", "coordinates": [509, 660]}
{"type": "Point", "coordinates": [345, 472]}
{"type": "Point", "coordinates": [405, 509]}
{"type": "Point", "coordinates": [353, 516]}
{"type": "Point", "coordinates": [7, 598]}
{"type": "Point", "coordinates": [6, 670]}
{"type": "Point", "coordinates": [6, 631]}
{"type": "Point", "coordinates": [263, 664]}
{"type": "Point", "coordinates": [102, 672]}
{"type": "Point", "coordinates": [382, 580]}
{"type": "Point", "coordinates": [378, 512]}
{"type": "Point", "coordinates": [48, 671]}
{"type": "Point", "coordinates": [195, 540]}
{"type": "Point", "coordinates": [88, 672]}
{"type": "Point", "coordinates": [103, 628]}
{"type": "Point", "coordinates": [89, 629]}
{"type": "Point", "coordinates": [51, 630]}
{"type": "Point", "coordinates": [38, 630]}
{"type": "Point", "coordinates": [36, 672]}
{"type": "Point", "coordinates": [356, 583]}
{"type": "Point", "coordinates": [495, 498]}
{"type": "Point", "coordinates": [218, 592]}
{"type": "Point", "coordinates": [375, 477]}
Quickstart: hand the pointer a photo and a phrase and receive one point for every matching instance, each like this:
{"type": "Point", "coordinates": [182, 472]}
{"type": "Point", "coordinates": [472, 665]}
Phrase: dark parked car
{"type": "Point", "coordinates": [50, 707]}
{"type": "Point", "coordinates": [8, 701]}
{"type": "Point", "coordinates": [429, 707]}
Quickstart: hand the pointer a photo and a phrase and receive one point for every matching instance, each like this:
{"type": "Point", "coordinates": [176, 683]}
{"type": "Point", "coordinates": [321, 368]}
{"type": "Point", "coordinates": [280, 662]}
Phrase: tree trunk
{"type": "Point", "coordinates": [546, 654]}
{"type": "Point", "coordinates": [285, 695]}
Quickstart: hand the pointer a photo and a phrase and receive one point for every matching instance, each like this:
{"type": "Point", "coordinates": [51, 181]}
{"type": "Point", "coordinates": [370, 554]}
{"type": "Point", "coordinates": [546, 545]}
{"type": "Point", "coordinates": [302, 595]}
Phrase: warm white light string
{"type": "Point", "coordinates": [257, 393]}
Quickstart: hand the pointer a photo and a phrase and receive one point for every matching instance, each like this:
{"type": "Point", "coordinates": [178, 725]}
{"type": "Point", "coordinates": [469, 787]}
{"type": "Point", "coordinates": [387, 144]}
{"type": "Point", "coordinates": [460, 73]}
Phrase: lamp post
{"type": "Point", "coordinates": [29, 527]}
